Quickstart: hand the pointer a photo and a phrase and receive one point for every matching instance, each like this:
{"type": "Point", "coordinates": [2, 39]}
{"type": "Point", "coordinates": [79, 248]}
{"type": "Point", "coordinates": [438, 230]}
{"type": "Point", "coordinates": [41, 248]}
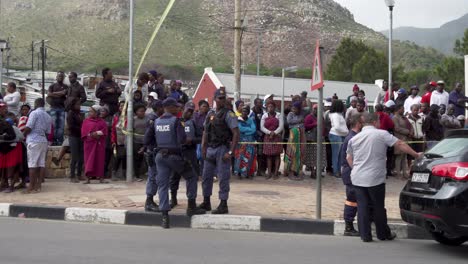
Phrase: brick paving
{"type": "Point", "coordinates": [274, 198]}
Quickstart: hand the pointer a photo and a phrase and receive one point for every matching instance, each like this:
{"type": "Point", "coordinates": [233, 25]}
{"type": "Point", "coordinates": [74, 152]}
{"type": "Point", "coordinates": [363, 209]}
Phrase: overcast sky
{"type": "Point", "coordinates": [416, 13]}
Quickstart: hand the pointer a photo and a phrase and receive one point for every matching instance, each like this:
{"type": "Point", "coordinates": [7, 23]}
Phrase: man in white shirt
{"type": "Point", "coordinates": [439, 96]}
{"type": "Point", "coordinates": [413, 99]}
{"type": "Point", "coordinates": [367, 155]}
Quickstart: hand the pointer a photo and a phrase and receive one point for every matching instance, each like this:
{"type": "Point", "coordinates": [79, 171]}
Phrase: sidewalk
{"type": "Point", "coordinates": [280, 198]}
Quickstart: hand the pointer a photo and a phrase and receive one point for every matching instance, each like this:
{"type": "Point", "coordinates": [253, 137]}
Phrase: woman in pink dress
{"type": "Point", "coordinates": [94, 133]}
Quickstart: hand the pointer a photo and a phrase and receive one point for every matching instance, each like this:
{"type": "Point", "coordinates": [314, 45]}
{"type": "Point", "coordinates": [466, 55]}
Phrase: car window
{"type": "Point", "coordinates": [450, 147]}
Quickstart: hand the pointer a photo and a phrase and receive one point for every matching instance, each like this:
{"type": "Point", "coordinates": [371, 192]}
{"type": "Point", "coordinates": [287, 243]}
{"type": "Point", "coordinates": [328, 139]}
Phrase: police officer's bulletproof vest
{"type": "Point", "coordinates": [166, 134]}
{"type": "Point", "coordinates": [189, 127]}
{"type": "Point", "coordinates": [218, 131]}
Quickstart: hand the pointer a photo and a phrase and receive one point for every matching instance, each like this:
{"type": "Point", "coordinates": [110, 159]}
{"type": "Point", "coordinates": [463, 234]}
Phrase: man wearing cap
{"type": "Point", "coordinates": [149, 142]}
{"type": "Point", "coordinates": [220, 139]}
{"type": "Point", "coordinates": [189, 152]}
{"type": "Point", "coordinates": [355, 93]}
{"type": "Point", "coordinates": [413, 99]}
{"type": "Point", "coordinates": [402, 95]}
{"type": "Point", "coordinates": [151, 98]}
{"type": "Point", "coordinates": [170, 139]}
{"type": "Point", "coordinates": [36, 131]}
{"type": "Point", "coordinates": [429, 87]}
{"type": "Point", "coordinates": [459, 100]}
{"type": "Point", "coordinates": [439, 96]}
{"type": "Point", "coordinates": [267, 98]}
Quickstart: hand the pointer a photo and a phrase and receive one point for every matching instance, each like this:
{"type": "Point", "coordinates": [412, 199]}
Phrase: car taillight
{"type": "Point", "coordinates": [456, 170]}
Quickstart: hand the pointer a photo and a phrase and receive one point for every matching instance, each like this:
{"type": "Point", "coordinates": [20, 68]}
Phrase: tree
{"type": "Point", "coordinates": [461, 46]}
{"type": "Point", "coordinates": [347, 55]}
{"type": "Point", "coordinates": [418, 77]}
{"type": "Point", "coordinates": [450, 70]}
{"type": "Point", "coordinates": [371, 66]}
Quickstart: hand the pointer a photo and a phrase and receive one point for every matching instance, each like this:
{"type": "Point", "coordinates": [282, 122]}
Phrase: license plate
{"type": "Point", "coordinates": [420, 177]}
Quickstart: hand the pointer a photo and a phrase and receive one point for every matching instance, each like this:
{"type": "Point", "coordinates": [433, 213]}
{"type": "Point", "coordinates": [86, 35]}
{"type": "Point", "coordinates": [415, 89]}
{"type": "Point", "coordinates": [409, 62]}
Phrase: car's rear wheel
{"type": "Point", "coordinates": [443, 238]}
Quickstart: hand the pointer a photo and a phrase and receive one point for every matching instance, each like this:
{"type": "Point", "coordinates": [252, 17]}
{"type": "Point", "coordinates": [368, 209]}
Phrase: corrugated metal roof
{"type": "Point", "coordinates": [253, 85]}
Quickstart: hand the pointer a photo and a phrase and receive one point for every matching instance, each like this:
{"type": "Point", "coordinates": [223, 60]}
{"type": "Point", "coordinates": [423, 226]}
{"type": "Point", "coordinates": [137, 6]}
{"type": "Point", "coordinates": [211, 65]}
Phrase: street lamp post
{"type": "Point", "coordinates": [3, 46]}
{"type": "Point", "coordinates": [390, 4]}
{"type": "Point", "coordinates": [283, 71]}
{"type": "Point", "coordinates": [129, 172]}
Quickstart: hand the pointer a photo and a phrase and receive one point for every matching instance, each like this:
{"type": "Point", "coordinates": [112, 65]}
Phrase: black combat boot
{"type": "Point", "coordinates": [165, 220]}
{"type": "Point", "coordinates": [150, 205]}
{"type": "Point", "coordinates": [206, 205]}
{"type": "Point", "coordinates": [173, 199]}
{"type": "Point", "coordinates": [192, 208]}
{"type": "Point", "coordinates": [349, 230]}
{"type": "Point", "coordinates": [222, 208]}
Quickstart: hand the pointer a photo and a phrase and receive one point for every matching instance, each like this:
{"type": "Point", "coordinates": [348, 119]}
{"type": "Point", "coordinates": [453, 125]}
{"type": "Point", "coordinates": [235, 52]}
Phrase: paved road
{"type": "Point", "coordinates": [36, 241]}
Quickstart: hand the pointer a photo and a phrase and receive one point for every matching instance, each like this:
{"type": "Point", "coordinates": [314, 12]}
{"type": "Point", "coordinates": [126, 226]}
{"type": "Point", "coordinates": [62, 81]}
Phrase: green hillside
{"type": "Point", "coordinates": [88, 35]}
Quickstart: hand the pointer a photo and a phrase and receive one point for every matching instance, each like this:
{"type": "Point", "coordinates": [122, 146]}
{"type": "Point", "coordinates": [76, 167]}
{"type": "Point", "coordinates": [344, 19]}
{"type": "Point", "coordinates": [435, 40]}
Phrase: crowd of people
{"type": "Point", "coordinates": [214, 142]}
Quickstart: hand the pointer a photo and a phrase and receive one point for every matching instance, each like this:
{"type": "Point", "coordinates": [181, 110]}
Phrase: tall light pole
{"type": "Point", "coordinates": [390, 4]}
{"type": "Point", "coordinates": [129, 175]}
{"type": "Point", "coordinates": [237, 48]}
{"type": "Point", "coordinates": [283, 72]}
{"type": "Point", "coordinates": [259, 43]}
{"type": "Point", "coordinates": [3, 47]}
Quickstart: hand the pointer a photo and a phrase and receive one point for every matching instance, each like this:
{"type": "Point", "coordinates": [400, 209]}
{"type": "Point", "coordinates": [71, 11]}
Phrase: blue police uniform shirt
{"type": "Point", "coordinates": [345, 168]}
{"type": "Point", "coordinates": [169, 132]}
{"type": "Point", "coordinates": [230, 119]}
{"type": "Point", "coordinates": [149, 139]}
{"type": "Point", "coordinates": [189, 127]}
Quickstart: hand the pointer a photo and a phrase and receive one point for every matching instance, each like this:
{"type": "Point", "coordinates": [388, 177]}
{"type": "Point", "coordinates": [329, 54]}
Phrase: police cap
{"type": "Point", "coordinates": [219, 93]}
{"type": "Point", "coordinates": [168, 102]}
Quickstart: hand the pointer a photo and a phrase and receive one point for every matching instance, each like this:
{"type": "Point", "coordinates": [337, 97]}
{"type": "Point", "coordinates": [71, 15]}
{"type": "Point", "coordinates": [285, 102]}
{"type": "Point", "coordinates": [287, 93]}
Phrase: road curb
{"type": "Point", "coordinates": [302, 226]}
{"type": "Point", "coordinates": [37, 211]}
{"type": "Point", "coordinates": [208, 221]}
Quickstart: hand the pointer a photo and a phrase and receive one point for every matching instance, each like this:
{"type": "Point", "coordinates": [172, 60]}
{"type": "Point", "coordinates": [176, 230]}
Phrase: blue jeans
{"type": "Point", "coordinates": [336, 149]}
{"type": "Point", "coordinates": [58, 121]}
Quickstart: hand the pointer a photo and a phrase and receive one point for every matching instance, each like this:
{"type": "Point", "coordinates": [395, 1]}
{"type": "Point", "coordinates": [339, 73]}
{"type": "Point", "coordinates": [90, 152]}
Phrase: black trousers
{"type": "Point", "coordinates": [375, 196]}
{"type": "Point", "coordinates": [190, 157]}
{"type": "Point", "coordinates": [350, 208]}
{"type": "Point", "coordinates": [390, 160]}
{"type": "Point", "coordinates": [76, 161]}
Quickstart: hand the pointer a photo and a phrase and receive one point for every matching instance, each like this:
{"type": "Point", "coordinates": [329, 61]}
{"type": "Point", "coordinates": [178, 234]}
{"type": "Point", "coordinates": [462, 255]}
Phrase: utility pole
{"type": "Point", "coordinates": [32, 56]}
{"type": "Point", "coordinates": [3, 47]}
{"type": "Point", "coordinates": [129, 175]}
{"type": "Point", "coordinates": [237, 48]}
{"type": "Point", "coordinates": [258, 52]}
{"type": "Point", "coordinates": [43, 68]}
{"type": "Point", "coordinates": [8, 61]}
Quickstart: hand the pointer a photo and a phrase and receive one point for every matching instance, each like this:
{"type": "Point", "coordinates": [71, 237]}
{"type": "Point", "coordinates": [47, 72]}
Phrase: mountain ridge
{"type": "Point", "coordinates": [88, 35]}
{"type": "Point", "coordinates": [441, 38]}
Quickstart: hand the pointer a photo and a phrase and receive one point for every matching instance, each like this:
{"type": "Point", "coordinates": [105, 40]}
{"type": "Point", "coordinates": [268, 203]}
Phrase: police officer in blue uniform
{"type": "Point", "coordinates": [150, 145]}
{"type": "Point", "coordinates": [350, 208]}
{"type": "Point", "coordinates": [170, 138]}
{"type": "Point", "coordinates": [189, 150]}
{"type": "Point", "coordinates": [220, 138]}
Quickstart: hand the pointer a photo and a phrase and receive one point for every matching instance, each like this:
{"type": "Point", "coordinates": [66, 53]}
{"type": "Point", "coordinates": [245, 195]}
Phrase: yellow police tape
{"type": "Point", "coordinates": [156, 30]}
{"type": "Point", "coordinates": [145, 53]}
{"type": "Point", "coordinates": [314, 143]}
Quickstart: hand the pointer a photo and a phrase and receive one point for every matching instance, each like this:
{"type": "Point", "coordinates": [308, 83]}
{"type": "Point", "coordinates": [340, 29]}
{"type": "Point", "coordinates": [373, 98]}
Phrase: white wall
{"type": "Point", "coordinates": [466, 80]}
